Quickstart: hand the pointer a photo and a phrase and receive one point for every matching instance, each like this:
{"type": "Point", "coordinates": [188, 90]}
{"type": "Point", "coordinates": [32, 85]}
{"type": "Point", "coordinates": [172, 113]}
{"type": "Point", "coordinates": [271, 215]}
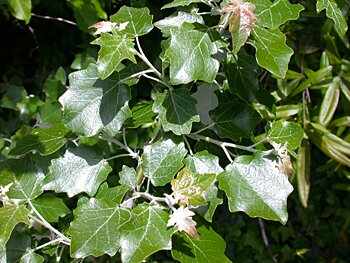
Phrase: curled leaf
{"type": "Point", "coordinates": [242, 21]}
{"type": "Point", "coordinates": [182, 218]}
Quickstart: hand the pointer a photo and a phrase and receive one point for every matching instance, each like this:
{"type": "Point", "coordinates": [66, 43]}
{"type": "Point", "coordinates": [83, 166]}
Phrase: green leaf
{"type": "Point", "coordinates": [95, 229]}
{"type": "Point", "coordinates": [233, 118]}
{"type": "Point", "coordinates": [330, 103]}
{"type": "Point", "coordinates": [145, 234]}
{"type": "Point", "coordinates": [13, 95]}
{"type": "Point", "coordinates": [203, 163]}
{"type": "Point", "coordinates": [50, 207]}
{"type": "Point", "coordinates": [272, 53]}
{"type": "Point", "coordinates": [31, 257]}
{"type": "Point", "coordinates": [26, 178]}
{"type": "Point", "coordinates": [10, 216]}
{"type": "Point", "coordinates": [285, 131]}
{"type": "Point", "coordinates": [20, 9]}
{"type": "Point", "coordinates": [86, 13]}
{"type": "Point", "coordinates": [242, 74]}
{"type": "Point", "coordinates": [91, 105]}
{"type": "Point", "coordinates": [45, 141]}
{"type": "Point", "coordinates": [209, 248]}
{"type": "Point", "coordinates": [50, 113]}
{"type": "Point", "coordinates": [177, 111]}
{"type": "Point", "coordinates": [162, 160]}
{"type": "Point", "coordinates": [254, 185]}
{"type": "Point", "coordinates": [188, 187]}
{"type": "Point", "coordinates": [333, 12]}
{"type": "Point", "coordinates": [177, 3]}
{"type": "Point", "coordinates": [111, 195]}
{"type": "Point", "coordinates": [54, 86]}
{"type": "Point", "coordinates": [79, 170]}
{"type": "Point", "coordinates": [128, 177]}
{"type": "Point", "coordinates": [114, 49]}
{"type": "Point", "coordinates": [191, 54]}
{"type": "Point", "coordinates": [142, 114]}
{"type": "Point", "coordinates": [273, 15]}
{"type": "Point", "coordinates": [206, 163]}
{"type": "Point", "coordinates": [139, 20]}
{"type": "Point", "coordinates": [176, 21]}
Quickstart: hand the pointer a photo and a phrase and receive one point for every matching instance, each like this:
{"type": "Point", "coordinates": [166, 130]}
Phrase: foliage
{"type": "Point", "coordinates": [142, 130]}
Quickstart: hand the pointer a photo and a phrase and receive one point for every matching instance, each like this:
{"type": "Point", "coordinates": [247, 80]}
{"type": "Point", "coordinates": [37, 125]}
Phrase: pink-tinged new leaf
{"type": "Point", "coordinates": [182, 218]}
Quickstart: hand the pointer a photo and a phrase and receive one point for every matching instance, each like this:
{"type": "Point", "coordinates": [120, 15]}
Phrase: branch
{"type": "Point", "coordinates": [108, 138]}
{"type": "Point", "coordinates": [142, 56]}
{"type": "Point", "coordinates": [56, 19]}
{"type": "Point", "coordinates": [44, 223]}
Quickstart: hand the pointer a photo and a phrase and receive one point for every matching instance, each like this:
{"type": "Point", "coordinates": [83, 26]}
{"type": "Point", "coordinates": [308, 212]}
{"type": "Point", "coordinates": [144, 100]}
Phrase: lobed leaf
{"type": "Point", "coordinates": [254, 185]}
{"type": "Point", "coordinates": [139, 20]}
{"type": "Point", "coordinates": [162, 160]}
{"type": "Point", "coordinates": [114, 49]}
{"type": "Point", "coordinates": [20, 9]}
{"type": "Point", "coordinates": [145, 234]}
{"type": "Point", "coordinates": [79, 170]}
{"type": "Point", "coordinates": [177, 111]}
{"type": "Point", "coordinates": [44, 140]}
{"type": "Point", "coordinates": [273, 15]}
{"type": "Point", "coordinates": [10, 216]}
{"type": "Point", "coordinates": [282, 132]}
{"type": "Point", "coordinates": [177, 3]}
{"type": "Point", "coordinates": [272, 53]}
{"type": "Point", "coordinates": [333, 12]}
{"type": "Point", "coordinates": [188, 187]}
{"type": "Point", "coordinates": [91, 105]}
{"type": "Point", "coordinates": [113, 195]}
{"type": "Point", "coordinates": [95, 229]}
{"type": "Point", "coordinates": [128, 177]}
{"type": "Point", "coordinates": [191, 54]}
{"type": "Point", "coordinates": [26, 179]}
{"type": "Point", "coordinates": [233, 118]}
{"type": "Point", "coordinates": [50, 207]}
{"type": "Point", "coordinates": [208, 248]}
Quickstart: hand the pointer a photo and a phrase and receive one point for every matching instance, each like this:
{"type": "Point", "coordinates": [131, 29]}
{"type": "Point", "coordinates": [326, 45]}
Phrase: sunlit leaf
{"type": "Point", "coordinates": [283, 132]}
{"type": "Point", "coordinates": [10, 216]}
{"type": "Point", "coordinates": [191, 53]}
{"type": "Point", "coordinates": [255, 185]}
{"type": "Point", "coordinates": [113, 194]}
{"type": "Point", "coordinates": [25, 177]}
{"type": "Point", "coordinates": [274, 14]}
{"type": "Point", "coordinates": [145, 233]}
{"type": "Point", "coordinates": [91, 105]}
{"type": "Point", "coordinates": [95, 229]}
{"type": "Point", "coordinates": [333, 12]}
{"type": "Point", "coordinates": [177, 3]}
{"type": "Point", "coordinates": [182, 218]}
{"type": "Point", "coordinates": [272, 53]}
{"type": "Point", "coordinates": [44, 140]}
{"type": "Point", "coordinates": [139, 20]}
{"type": "Point", "coordinates": [188, 187]}
{"type": "Point", "coordinates": [79, 170]}
{"type": "Point", "coordinates": [162, 160]}
{"type": "Point", "coordinates": [128, 177]}
{"type": "Point", "coordinates": [20, 9]}
{"type": "Point", "coordinates": [114, 49]}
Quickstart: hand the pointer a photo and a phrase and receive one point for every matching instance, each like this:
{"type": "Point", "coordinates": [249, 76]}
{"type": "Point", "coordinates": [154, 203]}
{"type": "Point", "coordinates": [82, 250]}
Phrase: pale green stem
{"type": "Point", "coordinates": [108, 138]}
{"type": "Point", "coordinates": [141, 73]}
{"type": "Point", "coordinates": [142, 56]}
{"type": "Point", "coordinates": [188, 145]}
{"type": "Point", "coordinates": [119, 156]}
{"type": "Point", "coordinates": [57, 240]}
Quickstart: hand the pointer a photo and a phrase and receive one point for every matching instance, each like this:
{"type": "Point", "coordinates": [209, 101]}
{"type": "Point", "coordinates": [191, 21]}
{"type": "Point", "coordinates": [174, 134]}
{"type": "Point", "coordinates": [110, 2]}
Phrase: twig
{"type": "Point", "coordinates": [108, 138]}
{"type": "Point", "coordinates": [265, 239]}
{"type": "Point", "coordinates": [56, 19]}
{"type": "Point", "coordinates": [188, 145]}
{"type": "Point", "coordinates": [141, 73]}
{"type": "Point", "coordinates": [57, 240]}
{"type": "Point", "coordinates": [65, 240]}
{"type": "Point", "coordinates": [119, 156]}
{"type": "Point", "coordinates": [205, 128]}
{"type": "Point", "coordinates": [142, 55]}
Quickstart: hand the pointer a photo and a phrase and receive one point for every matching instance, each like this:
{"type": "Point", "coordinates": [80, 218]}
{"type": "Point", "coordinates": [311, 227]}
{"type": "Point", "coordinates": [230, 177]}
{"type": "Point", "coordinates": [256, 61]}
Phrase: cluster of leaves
{"type": "Point", "coordinates": [135, 150]}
